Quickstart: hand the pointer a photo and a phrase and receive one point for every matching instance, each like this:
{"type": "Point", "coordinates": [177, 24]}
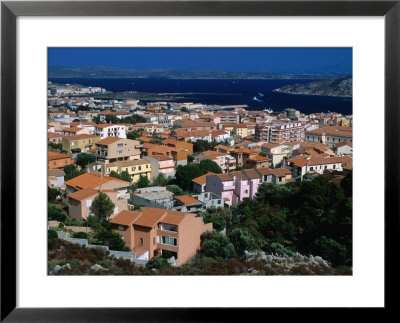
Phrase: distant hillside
{"type": "Point", "coordinates": [342, 87]}
{"type": "Point", "coordinates": [111, 72]}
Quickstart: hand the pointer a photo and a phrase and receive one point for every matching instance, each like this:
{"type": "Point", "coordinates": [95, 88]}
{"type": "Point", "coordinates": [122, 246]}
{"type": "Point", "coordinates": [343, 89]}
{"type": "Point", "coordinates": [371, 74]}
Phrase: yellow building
{"type": "Point", "coordinates": [227, 127]}
{"type": "Point", "coordinates": [241, 130]}
{"type": "Point", "coordinates": [343, 122]}
{"type": "Point", "coordinates": [135, 168]}
{"type": "Point", "coordinates": [79, 143]}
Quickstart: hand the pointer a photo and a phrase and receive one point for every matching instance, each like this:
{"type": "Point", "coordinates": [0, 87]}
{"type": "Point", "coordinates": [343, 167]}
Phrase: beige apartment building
{"type": "Point", "coordinates": [79, 143]}
{"type": "Point", "coordinates": [80, 202]}
{"type": "Point", "coordinates": [112, 149]}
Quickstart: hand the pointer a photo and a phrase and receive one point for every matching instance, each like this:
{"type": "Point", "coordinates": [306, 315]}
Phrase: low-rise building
{"type": "Point", "coordinates": [155, 196]}
{"type": "Point", "coordinates": [58, 160]}
{"type": "Point", "coordinates": [226, 162]}
{"type": "Point", "coordinates": [79, 143]}
{"type": "Point", "coordinates": [151, 231]}
{"type": "Point", "coordinates": [55, 178]}
{"type": "Point", "coordinates": [80, 202]}
{"type": "Point", "coordinates": [135, 168]}
{"type": "Point", "coordinates": [161, 165]}
{"type": "Point", "coordinates": [330, 135]}
{"type": "Point", "coordinates": [112, 149]}
{"type": "Point", "coordinates": [110, 130]}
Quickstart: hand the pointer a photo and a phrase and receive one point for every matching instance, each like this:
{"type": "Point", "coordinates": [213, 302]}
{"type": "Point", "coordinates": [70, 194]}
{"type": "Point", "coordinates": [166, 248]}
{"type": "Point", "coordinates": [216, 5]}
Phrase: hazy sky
{"type": "Point", "coordinates": [274, 60]}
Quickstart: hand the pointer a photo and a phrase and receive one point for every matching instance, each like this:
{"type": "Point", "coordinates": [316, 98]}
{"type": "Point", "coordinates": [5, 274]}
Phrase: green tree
{"type": "Point", "coordinates": [102, 206]}
{"type": "Point", "coordinates": [158, 263]}
{"type": "Point", "coordinates": [55, 213]}
{"type": "Point", "coordinates": [347, 184]}
{"type": "Point", "coordinates": [106, 236]}
{"type": "Point", "coordinates": [190, 159]}
{"type": "Point", "coordinates": [174, 189]}
{"type": "Point", "coordinates": [242, 240]}
{"type": "Point", "coordinates": [135, 134]}
{"type": "Point", "coordinates": [221, 218]}
{"type": "Point", "coordinates": [273, 193]}
{"type": "Point", "coordinates": [71, 172]}
{"type": "Point", "coordinates": [330, 250]}
{"type": "Point", "coordinates": [84, 159]}
{"type": "Point", "coordinates": [185, 174]}
{"type": "Point", "coordinates": [208, 165]}
{"type": "Point", "coordinates": [52, 194]}
{"type": "Point", "coordinates": [214, 244]}
{"type": "Point", "coordinates": [160, 180]}
{"type": "Point", "coordinates": [143, 181]}
{"type": "Point", "coordinates": [123, 175]}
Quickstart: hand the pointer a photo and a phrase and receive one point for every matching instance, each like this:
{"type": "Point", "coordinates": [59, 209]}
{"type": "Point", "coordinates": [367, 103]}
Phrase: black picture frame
{"type": "Point", "coordinates": [10, 10]}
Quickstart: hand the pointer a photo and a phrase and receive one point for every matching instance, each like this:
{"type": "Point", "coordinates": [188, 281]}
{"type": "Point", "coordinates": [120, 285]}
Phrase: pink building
{"type": "Point", "coordinates": [161, 165]}
{"type": "Point", "coordinates": [225, 161]}
{"type": "Point", "coordinates": [236, 186]}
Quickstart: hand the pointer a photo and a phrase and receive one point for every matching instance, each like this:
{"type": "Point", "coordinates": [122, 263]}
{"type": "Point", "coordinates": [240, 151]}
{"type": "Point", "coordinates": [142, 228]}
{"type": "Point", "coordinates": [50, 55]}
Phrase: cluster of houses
{"type": "Point", "coordinates": [250, 147]}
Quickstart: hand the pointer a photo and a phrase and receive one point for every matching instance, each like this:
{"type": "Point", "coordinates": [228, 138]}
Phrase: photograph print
{"type": "Point", "coordinates": [200, 161]}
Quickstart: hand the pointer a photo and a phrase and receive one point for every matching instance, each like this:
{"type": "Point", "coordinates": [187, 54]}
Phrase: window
{"type": "Point", "coordinates": [120, 145]}
{"type": "Point", "coordinates": [84, 141]}
{"type": "Point", "coordinates": [116, 210]}
{"type": "Point", "coordinates": [120, 151]}
{"type": "Point", "coordinates": [169, 241]}
{"type": "Point", "coordinates": [311, 168]}
{"type": "Point", "coordinates": [121, 228]}
{"type": "Point", "coordinates": [140, 241]}
{"type": "Point", "coordinates": [54, 163]}
{"type": "Point", "coordinates": [88, 203]}
{"type": "Point", "coordinates": [154, 241]}
{"type": "Point", "coordinates": [334, 166]}
{"type": "Point", "coordinates": [140, 167]}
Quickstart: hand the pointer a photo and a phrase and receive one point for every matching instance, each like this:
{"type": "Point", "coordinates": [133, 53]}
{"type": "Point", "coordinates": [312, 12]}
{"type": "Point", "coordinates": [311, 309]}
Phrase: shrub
{"type": "Point", "coordinates": [80, 235]}
{"type": "Point", "coordinates": [55, 213]}
{"type": "Point", "coordinates": [214, 244]}
{"type": "Point", "coordinates": [157, 263]}
{"type": "Point", "coordinates": [61, 225]}
{"type": "Point", "coordinates": [52, 234]}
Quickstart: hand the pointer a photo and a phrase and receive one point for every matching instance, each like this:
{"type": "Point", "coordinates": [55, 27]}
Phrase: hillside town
{"type": "Point", "coordinates": [156, 182]}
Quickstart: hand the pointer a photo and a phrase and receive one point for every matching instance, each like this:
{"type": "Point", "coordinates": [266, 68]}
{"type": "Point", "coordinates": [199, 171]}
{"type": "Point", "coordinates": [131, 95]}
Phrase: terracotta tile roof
{"type": "Point", "coordinates": [222, 147]}
{"type": "Point", "coordinates": [252, 173]}
{"type": "Point", "coordinates": [245, 151]}
{"type": "Point", "coordinates": [79, 137]}
{"type": "Point", "coordinates": [107, 141]}
{"type": "Point", "coordinates": [150, 217]}
{"type": "Point", "coordinates": [225, 177]}
{"type": "Point", "coordinates": [216, 133]}
{"type": "Point", "coordinates": [172, 218]}
{"type": "Point", "coordinates": [344, 143]}
{"type": "Point", "coordinates": [125, 218]}
{"type": "Point", "coordinates": [270, 145]}
{"type": "Point", "coordinates": [55, 172]}
{"type": "Point", "coordinates": [259, 158]}
{"type": "Point", "coordinates": [92, 180]}
{"type": "Point", "coordinates": [52, 155]}
{"type": "Point", "coordinates": [72, 129]}
{"type": "Point", "coordinates": [333, 130]}
{"type": "Point", "coordinates": [54, 135]}
{"type": "Point", "coordinates": [145, 139]}
{"type": "Point", "coordinates": [186, 199]}
{"type": "Point", "coordinates": [83, 194]}
{"type": "Point", "coordinates": [201, 180]}
{"type": "Point", "coordinates": [239, 174]}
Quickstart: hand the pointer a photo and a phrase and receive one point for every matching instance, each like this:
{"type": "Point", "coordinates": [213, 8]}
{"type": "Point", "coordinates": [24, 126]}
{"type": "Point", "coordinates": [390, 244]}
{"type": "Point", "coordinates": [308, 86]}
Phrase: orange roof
{"type": "Point", "coordinates": [125, 217]}
{"type": "Point", "coordinates": [186, 199]}
{"type": "Point", "coordinates": [333, 130]}
{"type": "Point", "coordinates": [245, 151]}
{"type": "Point", "coordinates": [201, 180]}
{"type": "Point", "coordinates": [225, 177]}
{"type": "Point", "coordinates": [91, 180]}
{"type": "Point", "coordinates": [240, 175]}
{"type": "Point", "coordinates": [83, 194]}
{"type": "Point", "coordinates": [72, 129]}
{"type": "Point", "coordinates": [105, 125]}
{"type": "Point", "coordinates": [344, 143]}
{"type": "Point", "coordinates": [52, 155]}
{"type": "Point", "coordinates": [107, 141]}
{"type": "Point", "coordinates": [222, 147]}
{"type": "Point", "coordinates": [150, 217]}
{"type": "Point", "coordinates": [54, 135]}
{"type": "Point", "coordinates": [127, 163]}
{"type": "Point", "coordinates": [252, 173]}
{"type": "Point", "coordinates": [172, 218]}
{"type": "Point", "coordinates": [258, 158]}
{"type": "Point", "coordinates": [79, 137]}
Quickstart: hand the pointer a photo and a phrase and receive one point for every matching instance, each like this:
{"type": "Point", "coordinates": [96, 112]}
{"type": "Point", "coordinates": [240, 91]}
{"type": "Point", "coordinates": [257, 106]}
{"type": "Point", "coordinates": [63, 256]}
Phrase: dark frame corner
{"type": "Point", "coordinates": [10, 10]}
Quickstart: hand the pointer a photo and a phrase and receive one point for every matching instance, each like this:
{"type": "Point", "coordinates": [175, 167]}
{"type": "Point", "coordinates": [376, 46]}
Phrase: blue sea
{"type": "Point", "coordinates": [257, 94]}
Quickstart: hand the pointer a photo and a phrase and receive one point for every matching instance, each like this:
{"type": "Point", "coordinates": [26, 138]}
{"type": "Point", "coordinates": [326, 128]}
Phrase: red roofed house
{"type": "Point", "coordinates": [199, 183]}
{"type": "Point", "coordinates": [307, 164]}
{"type": "Point", "coordinates": [151, 231]}
{"type": "Point", "coordinates": [344, 148]}
{"type": "Point", "coordinates": [58, 160]}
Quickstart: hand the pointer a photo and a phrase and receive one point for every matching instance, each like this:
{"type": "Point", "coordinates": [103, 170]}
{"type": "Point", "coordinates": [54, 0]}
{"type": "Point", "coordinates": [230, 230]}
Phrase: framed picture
{"type": "Point", "coordinates": [30, 30]}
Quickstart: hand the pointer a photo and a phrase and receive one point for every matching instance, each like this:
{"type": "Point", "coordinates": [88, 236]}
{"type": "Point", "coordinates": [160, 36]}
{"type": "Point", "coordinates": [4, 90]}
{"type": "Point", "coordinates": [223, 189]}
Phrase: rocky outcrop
{"type": "Point", "coordinates": [342, 87]}
{"type": "Point", "coordinates": [295, 264]}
